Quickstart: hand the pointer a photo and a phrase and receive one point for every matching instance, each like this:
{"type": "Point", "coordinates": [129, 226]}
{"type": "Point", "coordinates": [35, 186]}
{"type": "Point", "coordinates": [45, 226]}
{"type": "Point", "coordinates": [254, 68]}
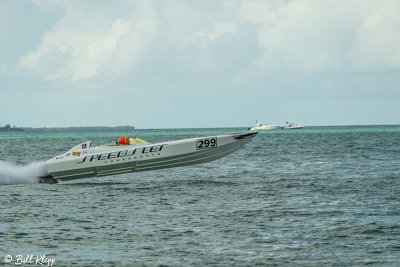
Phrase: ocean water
{"type": "Point", "coordinates": [321, 196]}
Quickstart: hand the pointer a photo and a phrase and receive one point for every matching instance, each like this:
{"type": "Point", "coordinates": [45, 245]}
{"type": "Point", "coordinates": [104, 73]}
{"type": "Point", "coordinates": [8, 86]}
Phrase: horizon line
{"type": "Point", "coordinates": [221, 127]}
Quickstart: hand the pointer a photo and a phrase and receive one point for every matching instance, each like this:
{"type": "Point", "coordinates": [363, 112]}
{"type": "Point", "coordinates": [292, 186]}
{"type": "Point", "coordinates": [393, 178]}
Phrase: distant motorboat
{"type": "Point", "coordinates": [261, 127]}
{"type": "Point", "coordinates": [292, 126]}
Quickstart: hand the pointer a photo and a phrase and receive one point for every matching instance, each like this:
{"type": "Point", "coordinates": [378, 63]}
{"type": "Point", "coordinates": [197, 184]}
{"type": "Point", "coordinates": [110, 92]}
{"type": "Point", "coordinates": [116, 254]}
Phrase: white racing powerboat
{"type": "Point", "coordinates": [292, 126]}
{"type": "Point", "coordinates": [261, 127]}
{"type": "Point", "coordinates": [84, 161]}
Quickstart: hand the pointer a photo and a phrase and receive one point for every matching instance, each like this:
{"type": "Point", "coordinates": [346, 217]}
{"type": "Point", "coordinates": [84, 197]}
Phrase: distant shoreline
{"type": "Point", "coordinates": [76, 128]}
{"type": "Point", "coordinates": [132, 128]}
{"type": "Point", "coordinates": [8, 128]}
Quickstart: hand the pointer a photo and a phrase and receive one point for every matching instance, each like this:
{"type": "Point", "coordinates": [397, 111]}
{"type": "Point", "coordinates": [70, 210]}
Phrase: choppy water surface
{"type": "Point", "coordinates": [314, 197]}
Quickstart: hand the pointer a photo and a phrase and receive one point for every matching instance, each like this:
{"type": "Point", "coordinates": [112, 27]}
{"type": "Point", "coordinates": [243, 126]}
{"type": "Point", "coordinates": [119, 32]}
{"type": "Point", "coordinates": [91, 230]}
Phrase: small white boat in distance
{"type": "Point", "coordinates": [84, 161]}
{"type": "Point", "coordinates": [261, 127]}
{"type": "Point", "coordinates": [292, 126]}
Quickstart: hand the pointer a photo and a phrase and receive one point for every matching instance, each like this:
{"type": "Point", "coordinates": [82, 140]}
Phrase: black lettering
{"type": "Point", "coordinates": [84, 159]}
{"type": "Point", "coordinates": [154, 149]}
{"type": "Point", "coordinates": [112, 155]}
{"type": "Point", "coordinates": [213, 142]}
{"type": "Point", "coordinates": [122, 153]}
{"type": "Point", "coordinates": [131, 153]}
{"type": "Point", "coordinates": [101, 156]}
{"type": "Point", "coordinates": [207, 142]}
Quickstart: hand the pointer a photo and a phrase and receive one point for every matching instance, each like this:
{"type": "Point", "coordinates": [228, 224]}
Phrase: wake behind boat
{"type": "Point", "coordinates": [84, 161]}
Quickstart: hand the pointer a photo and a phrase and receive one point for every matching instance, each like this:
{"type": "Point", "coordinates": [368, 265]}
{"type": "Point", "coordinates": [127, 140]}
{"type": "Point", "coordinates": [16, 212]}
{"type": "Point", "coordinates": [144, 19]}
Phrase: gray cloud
{"type": "Point", "coordinates": [203, 57]}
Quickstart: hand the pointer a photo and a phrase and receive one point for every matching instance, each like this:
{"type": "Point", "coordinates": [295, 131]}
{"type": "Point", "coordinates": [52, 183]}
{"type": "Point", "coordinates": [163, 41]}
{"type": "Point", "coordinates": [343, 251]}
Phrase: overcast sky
{"type": "Point", "coordinates": [181, 64]}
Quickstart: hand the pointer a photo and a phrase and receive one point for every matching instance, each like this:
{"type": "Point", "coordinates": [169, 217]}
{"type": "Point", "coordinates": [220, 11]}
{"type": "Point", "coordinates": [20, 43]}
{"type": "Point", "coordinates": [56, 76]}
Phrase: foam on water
{"type": "Point", "coordinates": [11, 173]}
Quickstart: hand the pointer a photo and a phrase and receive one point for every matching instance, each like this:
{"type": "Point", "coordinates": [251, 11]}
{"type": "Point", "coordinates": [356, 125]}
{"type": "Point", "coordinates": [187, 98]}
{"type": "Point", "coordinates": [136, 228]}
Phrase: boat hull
{"type": "Point", "coordinates": [111, 160]}
{"type": "Point", "coordinates": [265, 127]}
{"type": "Point", "coordinates": [293, 127]}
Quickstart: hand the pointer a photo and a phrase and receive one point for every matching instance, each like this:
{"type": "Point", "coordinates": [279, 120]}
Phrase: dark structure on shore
{"type": "Point", "coordinates": [8, 128]}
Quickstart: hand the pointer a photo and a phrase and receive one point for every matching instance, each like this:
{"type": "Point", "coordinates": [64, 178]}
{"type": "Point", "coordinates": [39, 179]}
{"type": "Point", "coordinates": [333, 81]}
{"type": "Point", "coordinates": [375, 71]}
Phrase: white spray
{"type": "Point", "coordinates": [11, 173]}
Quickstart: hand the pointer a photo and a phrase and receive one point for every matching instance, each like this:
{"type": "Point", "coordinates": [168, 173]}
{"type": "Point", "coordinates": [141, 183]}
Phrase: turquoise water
{"type": "Point", "coordinates": [321, 196]}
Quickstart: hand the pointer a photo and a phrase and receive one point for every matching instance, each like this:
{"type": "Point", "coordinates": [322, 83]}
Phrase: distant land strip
{"type": "Point", "coordinates": [70, 129]}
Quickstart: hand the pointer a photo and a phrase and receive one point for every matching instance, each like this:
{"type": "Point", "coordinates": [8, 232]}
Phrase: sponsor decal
{"type": "Point", "coordinates": [76, 153]}
{"type": "Point", "coordinates": [123, 153]}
